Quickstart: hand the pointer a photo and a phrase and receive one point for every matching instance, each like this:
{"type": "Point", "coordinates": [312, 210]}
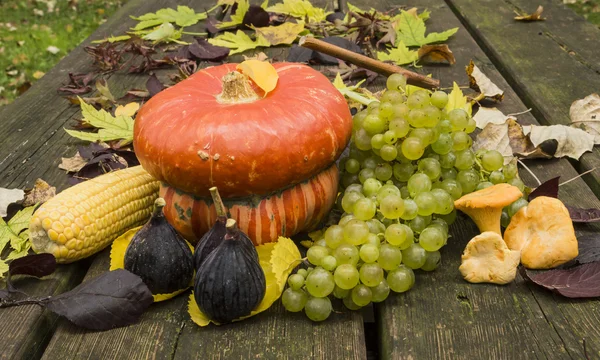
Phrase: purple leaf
{"type": "Point", "coordinates": [583, 215]}
{"type": "Point", "coordinates": [37, 265]}
{"type": "Point", "coordinates": [578, 282]}
{"type": "Point", "coordinates": [154, 85]}
{"type": "Point", "coordinates": [205, 51]}
{"type": "Point", "coordinates": [113, 299]}
{"type": "Point", "coordinates": [256, 16]}
{"type": "Point", "coordinates": [4, 294]}
{"type": "Point", "coordinates": [324, 59]}
{"type": "Point", "coordinates": [548, 188]}
{"type": "Point", "coordinates": [589, 251]}
{"type": "Point", "coordinates": [299, 54]}
{"type": "Point", "coordinates": [335, 16]}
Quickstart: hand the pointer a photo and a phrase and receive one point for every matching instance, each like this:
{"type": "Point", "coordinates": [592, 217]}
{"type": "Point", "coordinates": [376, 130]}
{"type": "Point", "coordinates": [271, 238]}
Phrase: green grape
{"type": "Point", "coordinates": [392, 96]}
{"type": "Point", "coordinates": [403, 171]}
{"type": "Point", "coordinates": [435, 135]}
{"type": "Point", "coordinates": [510, 171]}
{"type": "Point", "coordinates": [432, 239]}
{"type": "Point", "coordinates": [401, 111]}
{"type": "Point", "coordinates": [346, 254]}
{"type": "Point", "coordinates": [496, 177]}
{"type": "Point", "coordinates": [329, 263]}
{"type": "Point", "coordinates": [401, 279]}
{"type": "Point", "coordinates": [340, 293]}
{"type": "Point", "coordinates": [353, 187]}
{"type": "Point", "coordinates": [443, 145]}
{"type": "Point", "coordinates": [390, 137]}
{"type": "Point", "coordinates": [356, 232]}
{"type": "Point", "coordinates": [399, 127]}
{"type": "Point", "coordinates": [349, 200]}
{"type": "Point", "coordinates": [419, 223]}
{"type": "Point", "coordinates": [364, 209]}
{"type": "Point", "coordinates": [452, 187]}
{"type": "Point", "coordinates": [349, 304]}
{"type": "Point", "coordinates": [464, 159]}
{"type": "Point", "coordinates": [404, 193]}
{"type": "Point", "coordinates": [426, 203]}
{"type": "Point", "coordinates": [444, 126]}
{"type": "Point", "coordinates": [334, 236]}
{"type": "Point", "coordinates": [516, 206]}
{"type": "Point", "coordinates": [432, 261]}
{"type": "Point", "coordinates": [492, 160]}
{"type": "Point", "coordinates": [412, 148]}
{"type": "Point", "coordinates": [439, 99]}
{"type": "Point", "coordinates": [349, 179]}
{"type": "Point", "coordinates": [316, 253]}
{"type": "Point", "coordinates": [430, 167]}
{"type": "Point", "coordinates": [318, 308]}
{"type": "Point", "coordinates": [362, 140]}
{"type": "Point", "coordinates": [425, 134]}
{"type": "Point", "coordinates": [373, 240]}
{"type": "Point", "coordinates": [471, 126]}
{"type": "Point", "coordinates": [416, 118]}
{"type": "Point", "coordinates": [388, 152]}
{"type": "Point", "coordinates": [413, 257]}
{"type": "Point", "coordinates": [449, 173]}
{"type": "Point", "coordinates": [365, 174]}
{"type": "Point", "coordinates": [418, 183]}
{"type": "Point", "coordinates": [375, 226]}
{"type": "Point", "coordinates": [369, 253]}
{"type": "Point", "coordinates": [440, 224]}
{"type": "Point", "coordinates": [468, 180]}
{"type": "Point", "coordinates": [302, 272]}
{"type": "Point", "coordinates": [449, 219]}
{"type": "Point", "coordinates": [358, 119]}
{"type": "Point", "coordinates": [460, 140]}
{"type": "Point", "coordinates": [346, 276]}
{"type": "Point", "coordinates": [397, 234]}
{"type": "Point", "coordinates": [504, 218]}
{"type": "Point", "coordinates": [371, 274]}
{"type": "Point", "coordinates": [411, 210]}
{"type": "Point", "coordinates": [377, 141]}
{"type": "Point", "coordinates": [444, 202]}
{"type": "Point", "coordinates": [518, 183]}
{"type": "Point", "coordinates": [352, 166]}
{"type": "Point", "coordinates": [387, 189]}
{"type": "Point", "coordinates": [395, 82]}
{"type": "Point", "coordinates": [373, 105]}
{"type": "Point", "coordinates": [320, 242]}
{"type": "Point", "coordinates": [392, 206]}
{"type": "Point", "coordinates": [361, 295]}
{"type": "Point", "coordinates": [482, 185]}
{"type": "Point", "coordinates": [294, 300]}
{"type": "Point", "coordinates": [319, 283]}
{"type": "Point", "coordinates": [309, 270]}
{"type": "Point", "coordinates": [371, 186]}
{"type": "Point", "coordinates": [447, 160]}
{"type": "Point", "coordinates": [386, 110]}
{"type": "Point", "coordinates": [380, 292]}
{"type": "Point", "coordinates": [373, 124]}
{"type": "Point", "coordinates": [369, 162]}
{"type": "Point", "coordinates": [433, 115]}
{"type": "Point", "coordinates": [296, 281]}
{"type": "Point", "coordinates": [418, 99]}
{"type": "Point", "coordinates": [345, 219]}
{"type": "Point", "coordinates": [459, 119]}
{"type": "Point", "coordinates": [389, 257]}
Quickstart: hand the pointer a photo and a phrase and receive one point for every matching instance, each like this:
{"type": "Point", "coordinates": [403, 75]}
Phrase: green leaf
{"type": "Point", "coordinates": [238, 17]}
{"type": "Point", "coordinates": [400, 55]}
{"type": "Point", "coordinates": [111, 127]}
{"type": "Point", "coordinates": [411, 31]}
{"type": "Point", "coordinates": [238, 42]}
{"type": "Point", "coordinates": [456, 100]}
{"type": "Point", "coordinates": [350, 91]}
{"type": "Point", "coordinates": [3, 268]}
{"type": "Point", "coordinates": [13, 231]}
{"type": "Point", "coordinates": [425, 15]}
{"type": "Point", "coordinates": [300, 9]}
{"type": "Point", "coordinates": [183, 16]}
{"type": "Point", "coordinates": [165, 32]}
{"type": "Point", "coordinates": [112, 39]}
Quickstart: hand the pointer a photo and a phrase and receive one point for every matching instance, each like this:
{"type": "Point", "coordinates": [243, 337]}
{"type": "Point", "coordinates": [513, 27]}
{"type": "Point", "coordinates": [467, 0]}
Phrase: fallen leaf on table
{"type": "Point", "coordinates": [302, 54]}
{"type": "Point", "coordinates": [585, 115]}
{"type": "Point", "coordinates": [589, 251]}
{"type": "Point", "coordinates": [127, 110]}
{"type": "Point", "coordinates": [548, 188]}
{"type": "Point", "coordinates": [78, 83]}
{"type": "Point", "coordinates": [411, 31]}
{"type": "Point", "coordinates": [154, 85]}
{"type": "Point", "coordinates": [578, 282]}
{"type": "Point", "coordinates": [535, 16]}
{"type": "Point", "coordinates": [236, 18]}
{"type": "Point", "coordinates": [583, 215]}
{"type": "Point", "coordinates": [204, 51]}
{"type": "Point", "coordinates": [495, 137]}
{"type": "Point", "coordinates": [183, 16]}
{"type": "Point", "coordinates": [15, 232]}
{"type": "Point", "coordinates": [72, 164]}
{"type": "Point", "coordinates": [103, 89]}
{"type": "Point", "coordinates": [478, 81]}
{"type": "Point", "coordinates": [456, 100]}
{"type": "Point", "coordinates": [164, 33]}
{"type": "Point", "coordinates": [571, 142]}
{"type": "Point", "coordinates": [7, 197]}
{"type": "Point", "coordinates": [238, 42]}
{"type": "Point", "coordinates": [300, 9]}
{"type": "Point", "coordinates": [436, 54]}
{"type": "Point", "coordinates": [485, 116]}
{"type": "Point", "coordinates": [282, 34]}
{"type": "Point", "coordinates": [38, 265]}
{"type": "Point", "coordinates": [261, 56]}
{"type": "Point", "coordinates": [256, 16]}
{"type": "Point", "coordinates": [40, 193]}
{"type": "Point", "coordinates": [99, 159]}
{"type": "Point", "coordinates": [400, 55]}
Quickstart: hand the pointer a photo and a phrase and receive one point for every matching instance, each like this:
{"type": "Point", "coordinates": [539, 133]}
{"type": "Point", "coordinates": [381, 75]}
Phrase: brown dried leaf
{"type": "Point", "coordinates": [585, 115]}
{"type": "Point", "coordinates": [40, 193]}
{"type": "Point", "coordinates": [261, 56]}
{"type": "Point", "coordinates": [73, 164]}
{"type": "Point", "coordinates": [496, 137]}
{"type": "Point", "coordinates": [478, 81]}
{"type": "Point", "coordinates": [485, 116]}
{"type": "Point", "coordinates": [436, 54]}
{"type": "Point", "coordinates": [535, 16]}
{"type": "Point", "coordinates": [7, 197]}
{"type": "Point", "coordinates": [571, 142]}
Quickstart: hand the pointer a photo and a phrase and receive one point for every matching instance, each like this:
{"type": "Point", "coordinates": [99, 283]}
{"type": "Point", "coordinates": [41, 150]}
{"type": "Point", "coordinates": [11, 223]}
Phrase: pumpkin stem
{"type": "Point", "coordinates": [219, 206]}
{"type": "Point", "coordinates": [159, 204]}
{"type": "Point", "coordinates": [236, 89]}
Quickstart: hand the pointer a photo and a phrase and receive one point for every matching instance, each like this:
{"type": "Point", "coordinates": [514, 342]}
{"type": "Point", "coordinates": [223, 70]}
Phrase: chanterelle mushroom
{"type": "Point", "coordinates": [484, 207]}
{"type": "Point", "coordinates": [487, 259]}
{"type": "Point", "coordinates": [544, 233]}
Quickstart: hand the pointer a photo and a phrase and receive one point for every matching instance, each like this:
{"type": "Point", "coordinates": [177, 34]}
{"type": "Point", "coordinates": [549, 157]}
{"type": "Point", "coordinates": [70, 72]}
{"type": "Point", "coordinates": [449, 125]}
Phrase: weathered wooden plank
{"type": "Point", "coordinates": [546, 74]}
{"type": "Point", "coordinates": [445, 317]}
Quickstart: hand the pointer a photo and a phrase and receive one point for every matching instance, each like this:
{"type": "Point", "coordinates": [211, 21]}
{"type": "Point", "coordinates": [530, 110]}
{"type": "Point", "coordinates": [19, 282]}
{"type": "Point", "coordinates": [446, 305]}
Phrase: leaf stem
{"type": "Point", "coordinates": [39, 301]}
{"type": "Point", "coordinates": [356, 97]}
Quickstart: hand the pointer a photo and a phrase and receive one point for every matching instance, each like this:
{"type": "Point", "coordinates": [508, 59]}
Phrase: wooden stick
{"type": "Point", "coordinates": [368, 63]}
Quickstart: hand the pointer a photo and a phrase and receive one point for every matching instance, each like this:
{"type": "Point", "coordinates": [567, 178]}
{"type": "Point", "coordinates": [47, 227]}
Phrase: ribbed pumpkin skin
{"type": "Point", "coordinates": [263, 219]}
{"type": "Point", "coordinates": [247, 149]}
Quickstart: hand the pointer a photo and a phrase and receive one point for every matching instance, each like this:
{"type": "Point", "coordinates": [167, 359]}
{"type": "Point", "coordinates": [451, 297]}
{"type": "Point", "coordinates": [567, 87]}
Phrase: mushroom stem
{"type": "Point", "coordinates": [236, 89]}
{"type": "Point", "coordinates": [486, 219]}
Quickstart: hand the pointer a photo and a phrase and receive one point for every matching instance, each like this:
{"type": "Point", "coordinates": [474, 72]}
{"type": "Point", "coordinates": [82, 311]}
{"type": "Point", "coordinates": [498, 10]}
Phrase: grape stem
{"type": "Point", "coordinates": [531, 172]}
{"type": "Point", "coordinates": [352, 95]}
{"type": "Point", "coordinates": [577, 177]}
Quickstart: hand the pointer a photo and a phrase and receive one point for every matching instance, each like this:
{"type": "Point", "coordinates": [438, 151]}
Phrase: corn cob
{"type": "Point", "coordinates": [85, 218]}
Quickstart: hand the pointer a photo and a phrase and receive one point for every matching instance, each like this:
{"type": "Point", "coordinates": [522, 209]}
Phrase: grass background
{"type": "Point", "coordinates": [36, 34]}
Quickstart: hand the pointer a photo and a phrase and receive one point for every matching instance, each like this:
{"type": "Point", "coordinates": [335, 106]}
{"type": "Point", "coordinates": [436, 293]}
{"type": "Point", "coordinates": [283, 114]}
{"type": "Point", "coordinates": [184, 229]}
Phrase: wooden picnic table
{"type": "Point", "coordinates": [544, 66]}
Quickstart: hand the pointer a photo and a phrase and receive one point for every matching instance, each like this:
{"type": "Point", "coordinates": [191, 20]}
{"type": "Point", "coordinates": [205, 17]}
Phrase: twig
{"type": "Point", "coordinates": [531, 172]}
{"type": "Point", "coordinates": [577, 177]}
{"type": "Point", "coordinates": [367, 62]}
{"type": "Point", "coordinates": [40, 301]}
{"type": "Point", "coordinates": [520, 113]}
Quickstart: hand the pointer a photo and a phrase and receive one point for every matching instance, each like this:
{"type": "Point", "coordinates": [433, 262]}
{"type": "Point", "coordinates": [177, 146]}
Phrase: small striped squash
{"type": "Point", "coordinates": [262, 218]}
{"type": "Point", "coordinates": [87, 217]}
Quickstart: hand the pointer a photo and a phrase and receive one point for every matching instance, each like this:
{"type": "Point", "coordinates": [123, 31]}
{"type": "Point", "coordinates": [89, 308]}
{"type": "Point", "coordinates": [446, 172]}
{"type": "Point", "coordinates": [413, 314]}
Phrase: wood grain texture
{"type": "Point", "coordinates": [540, 59]}
{"type": "Point", "coordinates": [443, 317]}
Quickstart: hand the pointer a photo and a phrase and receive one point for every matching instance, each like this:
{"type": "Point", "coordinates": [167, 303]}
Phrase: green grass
{"type": "Point", "coordinates": [590, 9]}
{"type": "Point", "coordinates": [29, 27]}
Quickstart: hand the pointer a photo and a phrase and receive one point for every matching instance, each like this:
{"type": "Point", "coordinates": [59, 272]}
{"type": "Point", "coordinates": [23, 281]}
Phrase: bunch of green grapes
{"type": "Point", "coordinates": [409, 160]}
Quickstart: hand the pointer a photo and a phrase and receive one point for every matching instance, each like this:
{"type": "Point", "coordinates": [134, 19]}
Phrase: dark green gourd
{"type": "Point", "coordinates": [230, 282]}
{"type": "Point", "coordinates": [214, 236]}
{"type": "Point", "coordinates": [159, 255]}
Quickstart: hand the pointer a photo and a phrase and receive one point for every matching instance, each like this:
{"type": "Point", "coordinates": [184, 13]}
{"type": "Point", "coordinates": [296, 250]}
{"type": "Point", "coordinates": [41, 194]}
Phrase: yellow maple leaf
{"type": "Point", "coordinates": [456, 100]}
{"type": "Point", "coordinates": [262, 73]}
{"type": "Point", "coordinates": [277, 261]}
{"type": "Point", "coordinates": [128, 109]}
{"type": "Point", "coordinates": [285, 33]}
